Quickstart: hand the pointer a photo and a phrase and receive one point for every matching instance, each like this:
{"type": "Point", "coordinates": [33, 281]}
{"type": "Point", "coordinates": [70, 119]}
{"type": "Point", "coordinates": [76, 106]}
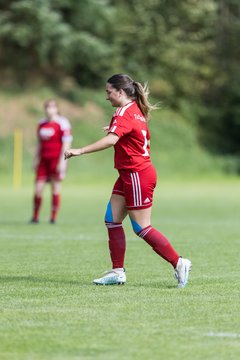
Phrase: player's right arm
{"type": "Point", "coordinates": [107, 141]}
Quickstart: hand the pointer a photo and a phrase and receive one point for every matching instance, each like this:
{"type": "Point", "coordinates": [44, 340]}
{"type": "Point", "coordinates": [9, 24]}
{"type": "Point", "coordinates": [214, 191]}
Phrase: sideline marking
{"type": "Point", "coordinates": [222, 334]}
{"type": "Point", "coordinates": [43, 237]}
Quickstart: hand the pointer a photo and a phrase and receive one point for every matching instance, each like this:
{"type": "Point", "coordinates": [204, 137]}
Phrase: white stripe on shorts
{"type": "Point", "coordinates": [136, 186]}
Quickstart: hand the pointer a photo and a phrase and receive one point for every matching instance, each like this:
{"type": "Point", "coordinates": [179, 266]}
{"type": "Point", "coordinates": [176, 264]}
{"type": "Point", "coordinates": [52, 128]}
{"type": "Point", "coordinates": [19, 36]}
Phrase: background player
{"type": "Point", "coordinates": [133, 191]}
{"type": "Point", "coordinates": [54, 138]}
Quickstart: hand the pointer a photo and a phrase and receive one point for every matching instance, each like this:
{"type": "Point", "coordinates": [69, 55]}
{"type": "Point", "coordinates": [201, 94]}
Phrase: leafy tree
{"type": "Point", "coordinates": [170, 41]}
{"type": "Point", "coordinates": [220, 115]}
{"type": "Point", "coordinates": [55, 38]}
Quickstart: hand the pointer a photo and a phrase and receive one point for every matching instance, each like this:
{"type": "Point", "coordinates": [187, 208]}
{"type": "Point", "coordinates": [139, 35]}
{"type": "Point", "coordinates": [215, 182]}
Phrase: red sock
{"type": "Point", "coordinates": [55, 206]}
{"type": "Point", "coordinates": [37, 201]}
{"type": "Point", "coordinates": [117, 244]}
{"type": "Point", "coordinates": [160, 244]}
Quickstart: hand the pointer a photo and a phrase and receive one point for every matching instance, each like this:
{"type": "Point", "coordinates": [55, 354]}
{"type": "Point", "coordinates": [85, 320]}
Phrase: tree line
{"type": "Point", "coordinates": [188, 51]}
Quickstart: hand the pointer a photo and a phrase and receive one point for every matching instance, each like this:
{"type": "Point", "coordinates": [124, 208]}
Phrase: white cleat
{"type": "Point", "coordinates": [112, 277]}
{"type": "Point", "coordinates": [182, 271]}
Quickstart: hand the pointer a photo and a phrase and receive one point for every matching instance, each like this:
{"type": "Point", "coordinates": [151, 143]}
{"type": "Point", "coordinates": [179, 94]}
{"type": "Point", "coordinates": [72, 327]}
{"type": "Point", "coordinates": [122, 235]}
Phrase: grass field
{"type": "Point", "coordinates": [50, 310]}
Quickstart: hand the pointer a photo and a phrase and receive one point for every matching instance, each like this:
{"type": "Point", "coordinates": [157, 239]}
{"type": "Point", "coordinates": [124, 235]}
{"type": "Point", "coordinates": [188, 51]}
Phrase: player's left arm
{"type": "Point", "coordinates": [61, 163]}
{"type": "Point", "coordinates": [66, 144]}
{"type": "Point", "coordinates": [107, 141]}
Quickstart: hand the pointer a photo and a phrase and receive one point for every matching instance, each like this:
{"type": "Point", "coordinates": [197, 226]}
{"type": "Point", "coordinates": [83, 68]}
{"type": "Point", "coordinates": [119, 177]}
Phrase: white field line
{"type": "Point", "coordinates": [40, 237]}
{"type": "Point", "coordinates": [223, 334]}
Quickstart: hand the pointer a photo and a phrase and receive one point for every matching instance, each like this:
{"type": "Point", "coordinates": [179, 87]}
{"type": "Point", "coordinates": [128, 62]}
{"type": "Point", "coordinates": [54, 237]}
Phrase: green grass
{"type": "Point", "coordinates": [50, 310]}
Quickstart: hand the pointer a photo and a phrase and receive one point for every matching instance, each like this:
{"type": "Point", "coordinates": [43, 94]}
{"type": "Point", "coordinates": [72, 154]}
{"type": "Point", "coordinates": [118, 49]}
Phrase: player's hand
{"type": "Point", "coordinates": [105, 128]}
{"type": "Point", "coordinates": [71, 152]}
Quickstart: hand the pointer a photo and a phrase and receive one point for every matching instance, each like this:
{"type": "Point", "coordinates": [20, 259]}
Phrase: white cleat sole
{"type": "Point", "coordinates": [187, 269]}
{"type": "Point", "coordinates": [109, 284]}
{"type": "Point", "coordinates": [111, 278]}
{"type": "Point", "coordinates": [182, 273]}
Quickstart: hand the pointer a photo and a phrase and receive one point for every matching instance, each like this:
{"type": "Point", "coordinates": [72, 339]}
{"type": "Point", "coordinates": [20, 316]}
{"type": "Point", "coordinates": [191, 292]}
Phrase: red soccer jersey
{"type": "Point", "coordinates": [51, 135]}
{"type": "Point", "coordinates": [132, 150]}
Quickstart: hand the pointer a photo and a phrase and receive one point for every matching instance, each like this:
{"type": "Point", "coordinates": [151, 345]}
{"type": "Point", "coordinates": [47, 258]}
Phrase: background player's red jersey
{"type": "Point", "coordinates": [51, 135]}
{"type": "Point", "coordinates": [132, 149]}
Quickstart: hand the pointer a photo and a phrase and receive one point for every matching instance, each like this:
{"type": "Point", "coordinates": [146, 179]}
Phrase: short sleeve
{"type": "Point", "coordinates": [66, 129]}
{"type": "Point", "coordinates": [120, 125]}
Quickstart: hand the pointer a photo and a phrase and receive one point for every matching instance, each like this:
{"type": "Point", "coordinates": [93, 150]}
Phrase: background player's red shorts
{"type": "Point", "coordinates": [47, 170]}
{"type": "Point", "coordinates": [136, 187]}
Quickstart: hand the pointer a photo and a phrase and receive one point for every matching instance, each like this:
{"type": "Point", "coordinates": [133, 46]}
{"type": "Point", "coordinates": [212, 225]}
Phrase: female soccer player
{"type": "Point", "coordinates": [54, 138]}
{"type": "Point", "coordinates": [133, 191]}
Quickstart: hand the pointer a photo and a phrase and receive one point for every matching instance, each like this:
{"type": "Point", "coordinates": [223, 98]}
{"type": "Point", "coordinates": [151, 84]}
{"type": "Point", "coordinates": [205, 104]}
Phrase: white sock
{"type": "Point", "coordinates": [119, 269]}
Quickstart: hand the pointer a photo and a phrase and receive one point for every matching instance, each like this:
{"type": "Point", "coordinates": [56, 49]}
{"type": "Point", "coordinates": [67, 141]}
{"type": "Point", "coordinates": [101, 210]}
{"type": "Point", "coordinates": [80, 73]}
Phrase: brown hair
{"type": "Point", "coordinates": [135, 91]}
{"type": "Point", "coordinates": [49, 101]}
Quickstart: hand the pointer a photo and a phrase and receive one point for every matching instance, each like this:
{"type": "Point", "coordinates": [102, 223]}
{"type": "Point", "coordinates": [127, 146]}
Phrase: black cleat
{"type": "Point", "coordinates": [33, 221]}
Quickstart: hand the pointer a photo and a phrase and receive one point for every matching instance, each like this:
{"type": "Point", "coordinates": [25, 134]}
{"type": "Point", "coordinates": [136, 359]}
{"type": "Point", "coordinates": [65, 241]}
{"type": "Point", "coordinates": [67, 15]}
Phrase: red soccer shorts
{"type": "Point", "coordinates": [136, 187]}
{"type": "Point", "coordinates": [47, 170]}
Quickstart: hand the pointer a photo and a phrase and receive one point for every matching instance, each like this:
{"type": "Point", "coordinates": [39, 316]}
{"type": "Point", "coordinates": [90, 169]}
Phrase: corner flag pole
{"type": "Point", "coordinates": [17, 158]}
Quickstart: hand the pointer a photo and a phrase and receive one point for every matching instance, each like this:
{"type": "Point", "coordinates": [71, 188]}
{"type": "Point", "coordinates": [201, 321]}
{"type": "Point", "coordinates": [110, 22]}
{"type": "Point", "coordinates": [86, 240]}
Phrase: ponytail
{"type": "Point", "coordinates": [142, 93]}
